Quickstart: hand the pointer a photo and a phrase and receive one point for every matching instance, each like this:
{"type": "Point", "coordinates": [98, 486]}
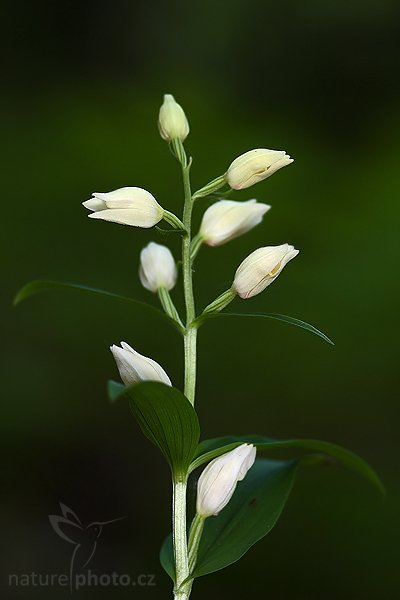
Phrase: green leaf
{"type": "Point", "coordinates": [217, 443]}
{"type": "Point", "coordinates": [167, 419]}
{"type": "Point", "coordinates": [210, 449]}
{"type": "Point", "coordinates": [37, 287]}
{"type": "Point", "coordinates": [258, 500]}
{"type": "Point", "coordinates": [251, 513]}
{"type": "Point", "coordinates": [276, 316]}
{"type": "Point", "coordinates": [167, 557]}
{"type": "Point", "coordinates": [115, 390]}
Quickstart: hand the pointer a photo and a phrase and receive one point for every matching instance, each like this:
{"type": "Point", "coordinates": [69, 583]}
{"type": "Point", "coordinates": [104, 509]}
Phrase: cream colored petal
{"type": "Point", "coordinates": [125, 365]}
{"type": "Point", "coordinates": [124, 193]}
{"type": "Point", "coordinates": [134, 217]}
{"type": "Point", "coordinates": [172, 121]}
{"type": "Point", "coordinates": [261, 268]}
{"type": "Point", "coordinates": [228, 219]}
{"type": "Point", "coordinates": [157, 267]}
{"type": "Point", "coordinates": [279, 164]}
{"type": "Point", "coordinates": [95, 204]}
{"type": "Point", "coordinates": [218, 481]}
{"type": "Point", "coordinates": [147, 368]}
{"type": "Point", "coordinates": [254, 166]}
{"type": "Point", "coordinates": [134, 367]}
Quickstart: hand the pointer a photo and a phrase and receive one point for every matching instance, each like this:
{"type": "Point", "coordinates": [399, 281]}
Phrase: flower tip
{"type": "Point", "coordinates": [100, 196]}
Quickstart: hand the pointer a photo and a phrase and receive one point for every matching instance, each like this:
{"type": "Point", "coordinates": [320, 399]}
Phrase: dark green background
{"type": "Point", "coordinates": [84, 81]}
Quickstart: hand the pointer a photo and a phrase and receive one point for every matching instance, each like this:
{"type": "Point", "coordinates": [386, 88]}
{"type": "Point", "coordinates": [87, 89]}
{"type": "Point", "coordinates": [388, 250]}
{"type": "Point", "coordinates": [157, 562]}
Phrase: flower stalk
{"type": "Point", "coordinates": [182, 586]}
{"type": "Point", "coordinates": [191, 331]}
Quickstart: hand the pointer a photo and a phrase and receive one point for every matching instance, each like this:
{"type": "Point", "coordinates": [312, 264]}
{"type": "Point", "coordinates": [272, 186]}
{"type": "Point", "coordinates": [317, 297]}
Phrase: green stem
{"type": "Point", "coordinates": [191, 330]}
{"type": "Point", "coordinates": [181, 592]}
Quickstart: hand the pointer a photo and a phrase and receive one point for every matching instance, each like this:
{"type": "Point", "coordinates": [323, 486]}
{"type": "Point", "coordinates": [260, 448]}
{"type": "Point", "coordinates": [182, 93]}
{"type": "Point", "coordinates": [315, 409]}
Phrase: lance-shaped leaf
{"type": "Point", "coordinates": [255, 506]}
{"type": "Point", "coordinates": [251, 513]}
{"type": "Point", "coordinates": [210, 449]}
{"type": "Point", "coordinates": [167, 557]}
{"type": "Point", "coordinates": [37, 287]}
{"type": "Point", "coordinates": [167, 419]}
{"type": "Point", "coordinates": [278, 317]}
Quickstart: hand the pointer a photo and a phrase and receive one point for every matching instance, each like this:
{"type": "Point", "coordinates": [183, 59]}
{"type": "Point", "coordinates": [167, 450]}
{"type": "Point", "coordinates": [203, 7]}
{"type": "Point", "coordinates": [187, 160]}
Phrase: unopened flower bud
{"type": "Point", "coordinates": [129, 206]}
{"type": "Point", "coordinates": [254, 166]}
{"type": "Point", "coordinates": [261, 268]}
{"type": "Point", "coordinates": [157, 268]}
{"type": "Point", "coordinates": [172, 121]}
{"type": "Point", "coordinates": [227, 219]}
{"type": "Point", "coordinates": [218, 481]}
{"type": "Point", "coordinates": [133, 367]}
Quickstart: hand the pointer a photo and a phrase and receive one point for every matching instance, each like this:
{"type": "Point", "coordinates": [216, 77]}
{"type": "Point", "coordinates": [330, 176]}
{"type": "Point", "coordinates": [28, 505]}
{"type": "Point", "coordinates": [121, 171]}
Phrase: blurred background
{"type": "Point", "coordinates": [83, 82]}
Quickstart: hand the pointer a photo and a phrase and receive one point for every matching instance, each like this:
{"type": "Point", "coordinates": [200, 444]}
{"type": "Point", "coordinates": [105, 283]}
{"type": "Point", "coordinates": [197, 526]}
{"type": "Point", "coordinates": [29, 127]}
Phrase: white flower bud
{"type": "Point", "coordinates": [227, 219]}
{"type": "Point", "coordinates": [128, 206]}
{"type": "Point", "coordinates": [172, 121]}
{"type": "Point", "coordinates": [157, 268]}
{"type": "Point", "coordinates": [261, 268]}
{"type": "Point", "coordinates": [254, 166]}
{"type": "Point", "coordinates": [133, 367]}
{"type": "Point", "coordinates": [218, 481]}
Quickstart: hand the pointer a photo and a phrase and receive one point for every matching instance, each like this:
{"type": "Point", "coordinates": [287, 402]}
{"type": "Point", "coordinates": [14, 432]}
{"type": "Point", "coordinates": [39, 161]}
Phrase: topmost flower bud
{"type": "Point", "coordinates": [172, 121]}
{"type": "Point", "coordinates": [254, 166]}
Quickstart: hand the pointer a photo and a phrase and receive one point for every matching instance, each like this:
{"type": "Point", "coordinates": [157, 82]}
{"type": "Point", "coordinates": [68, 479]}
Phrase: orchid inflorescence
{"type": "Point", "coordinates": [239, 497]}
